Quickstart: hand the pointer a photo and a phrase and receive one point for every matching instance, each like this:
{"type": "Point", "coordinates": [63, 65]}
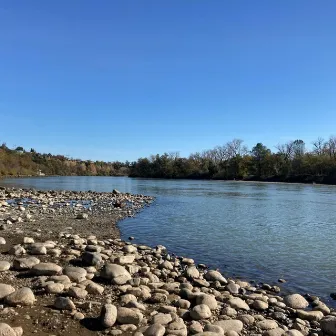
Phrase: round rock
{"type": "Point", "coordinates": [116, 274]}
{"type": "Point", "coordinates": [226, 325]}
{"type": "Point", "coordinates": [108, 315]}
{"type": "Point", "coordinates": [5, 290]}
{"type": "Point", "coordinates": [155, 330]}
{"type": "Point", "coordinates": [267, 324]}
{"type": "Point", "coordinates": [208, 300]}
{"type": "Point", "coordinates": [296, 301]}
{"type": "Point", "coordinates": [21, 297]}
{"type": "Point", "coordinates": [6, 330]}
{"type": "Point", "coordinates": [4, 265]}
{"type": "Point", "coordinates": [200, 312]}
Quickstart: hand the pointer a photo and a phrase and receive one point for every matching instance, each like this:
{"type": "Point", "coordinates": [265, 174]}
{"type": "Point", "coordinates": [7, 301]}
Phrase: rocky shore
{"type": "Point", "coordinates": [64, 271]}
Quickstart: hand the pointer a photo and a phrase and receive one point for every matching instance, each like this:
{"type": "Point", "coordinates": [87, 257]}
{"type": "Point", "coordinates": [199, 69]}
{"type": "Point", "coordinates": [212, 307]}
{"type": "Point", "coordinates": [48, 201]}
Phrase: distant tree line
{"type": "Point", "coordinates": [19, 162]}
{"type": "Point", "coordinates": [291, 162]}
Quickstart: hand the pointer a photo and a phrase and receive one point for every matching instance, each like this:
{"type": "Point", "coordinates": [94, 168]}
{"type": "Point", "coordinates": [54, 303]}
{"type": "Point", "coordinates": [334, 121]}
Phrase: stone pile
{"type": "Point", "coordinates": [145, 291]}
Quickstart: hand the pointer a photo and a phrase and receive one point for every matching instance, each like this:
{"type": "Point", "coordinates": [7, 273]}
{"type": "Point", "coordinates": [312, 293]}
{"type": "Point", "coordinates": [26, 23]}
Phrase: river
{"type": "Point", "coordinates": [256, 231]}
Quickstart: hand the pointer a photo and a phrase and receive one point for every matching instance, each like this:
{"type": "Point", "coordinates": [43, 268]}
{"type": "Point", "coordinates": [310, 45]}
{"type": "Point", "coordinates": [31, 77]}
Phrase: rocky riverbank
{"type": "Point", "coordinates": [64, 271]}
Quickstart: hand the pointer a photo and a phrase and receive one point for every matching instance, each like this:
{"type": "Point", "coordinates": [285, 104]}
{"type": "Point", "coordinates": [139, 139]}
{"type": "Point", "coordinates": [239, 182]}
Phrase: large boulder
{"type": "Point", "coordinates": [115, 273]}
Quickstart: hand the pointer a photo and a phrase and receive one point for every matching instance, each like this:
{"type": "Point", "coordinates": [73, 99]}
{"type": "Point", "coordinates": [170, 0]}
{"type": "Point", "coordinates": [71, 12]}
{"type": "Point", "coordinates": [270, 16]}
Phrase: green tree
{"type": "Point", "coordinates": [259, 154]}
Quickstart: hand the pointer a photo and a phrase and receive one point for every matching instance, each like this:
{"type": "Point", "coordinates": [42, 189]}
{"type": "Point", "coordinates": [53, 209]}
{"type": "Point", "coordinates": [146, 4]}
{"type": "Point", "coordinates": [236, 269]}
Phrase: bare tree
{"type": "Point", "coordinates": [174, 155]}
{"type": "Point", "coordinates": [319, 146]}
{"type": "Point", "coordinates": [286, 150]}
{"type": "Point", "coordinates": [236, 148]}
{"type": "Point", "coordinates": [331, 147]}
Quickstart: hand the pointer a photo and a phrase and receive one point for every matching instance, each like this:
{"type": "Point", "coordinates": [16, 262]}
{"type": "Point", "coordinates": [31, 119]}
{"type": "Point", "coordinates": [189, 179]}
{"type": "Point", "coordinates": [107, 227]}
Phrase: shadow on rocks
{"type": "Point", "coordinates": [24, 275]}
{"type": "Point", "coordinates": [92, 324]}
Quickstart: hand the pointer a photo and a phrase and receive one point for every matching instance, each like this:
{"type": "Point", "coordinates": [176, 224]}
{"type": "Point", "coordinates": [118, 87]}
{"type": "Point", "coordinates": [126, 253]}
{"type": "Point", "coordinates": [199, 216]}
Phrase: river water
{"type": "Point", "coordinates": [255, 231]}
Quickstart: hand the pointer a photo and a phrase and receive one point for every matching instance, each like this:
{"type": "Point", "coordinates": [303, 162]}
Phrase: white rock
{"type": "Point", "coordinates": [200, 312]}
{"type": "Point", "coordinates": [21, 297]}
{"type": "Point", "coordinates": [226, 325]}
{"type": "Point", "coordinates": [5, 290]}
{"type": "Point", "coordinates": [4, 265]}
{"type": "Point", "coordinates": [267, 324]}
{"type": "Point", "coordinates": [115, 273]}
{"type": "Point", "coordinates": [208, 300]}
{"type": "Point", "coordinates": [314, 315]}
{"type": "Point", "coordinates": [238, 303]}
{"type": "Point", "coordinates": [213, 275]}
{"type": "Point", "coordinates": [192, 272]}
{"type": "Point", "coordinates": [6, 330]}
{"type": "Point", "coordinates": [25, 263]}
{"type": "Point", "coordinates": [296, 301]}
{"type": "Point", "coordinates": [54, 288]}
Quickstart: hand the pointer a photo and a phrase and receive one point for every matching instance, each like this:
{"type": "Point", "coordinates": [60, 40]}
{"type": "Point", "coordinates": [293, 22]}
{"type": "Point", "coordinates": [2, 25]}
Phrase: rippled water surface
{"type": "Point", "coordinates": [256, 231]}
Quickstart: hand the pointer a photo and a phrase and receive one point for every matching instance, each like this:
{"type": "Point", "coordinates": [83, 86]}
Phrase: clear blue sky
{"type": "Point", "coordinates": [120, 79]}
